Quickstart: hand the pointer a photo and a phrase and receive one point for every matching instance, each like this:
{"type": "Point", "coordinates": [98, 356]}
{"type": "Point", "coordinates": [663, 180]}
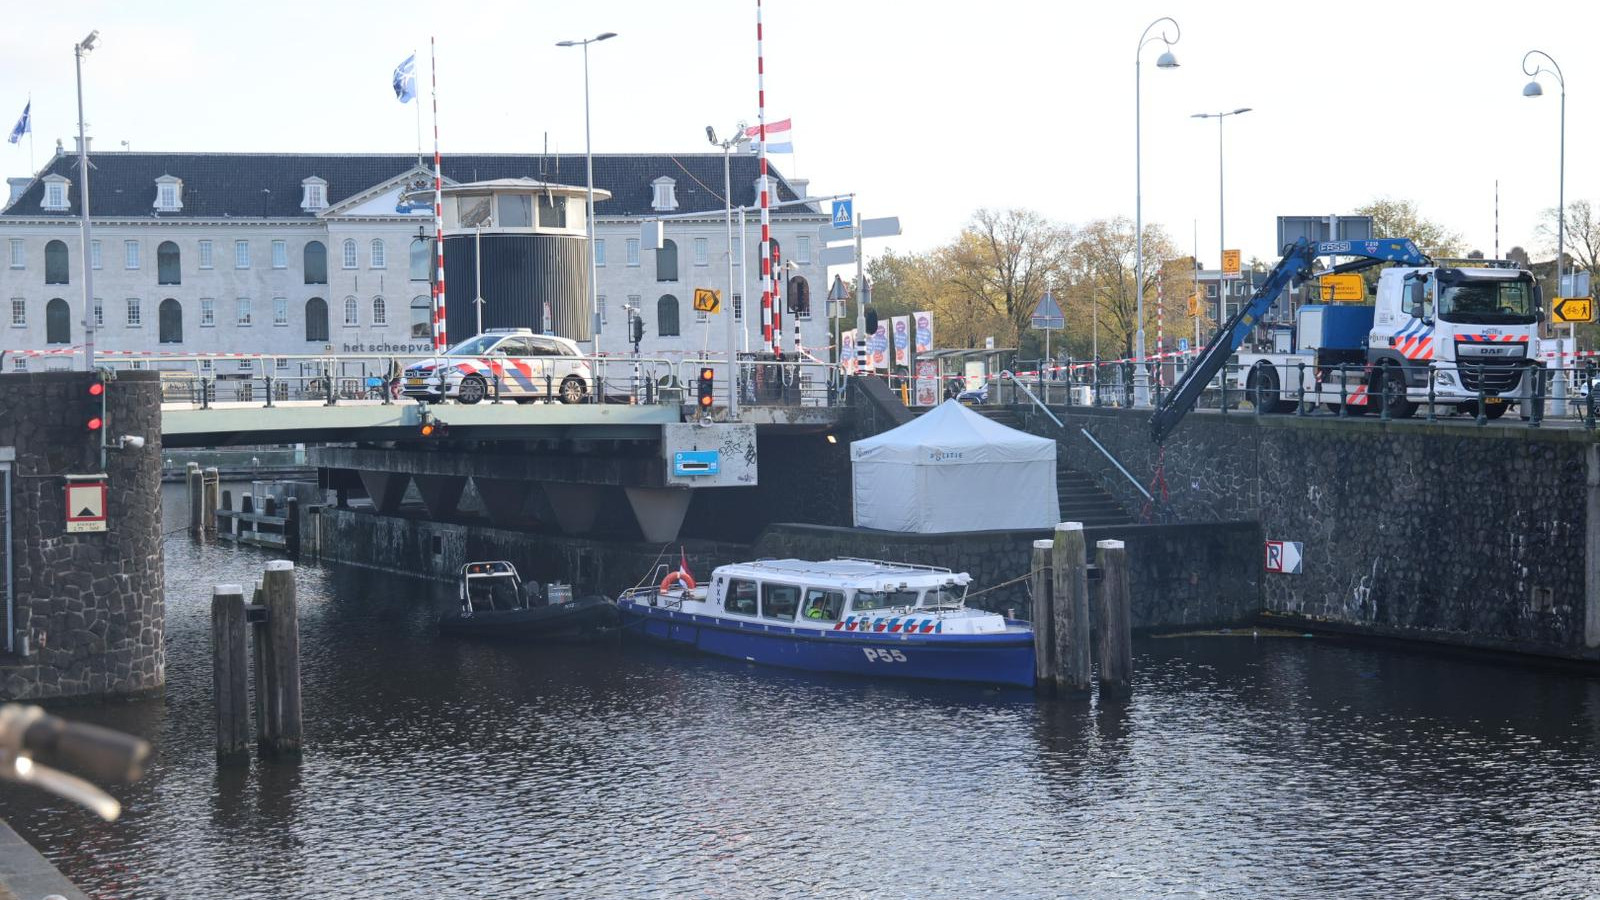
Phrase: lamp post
{"type": "Point", "coordinates": [1222, 218]}
{"type": "Point", "coordinates": [1141, 380]}
{"type": "Point", "coordinates": [588, 157]}
{"type": "Point", "coordinates": [1532, 89]}
{"type": "Point", "coordinates": [78, 51]}
{"type": "Point", "coordinates": [739, 138]}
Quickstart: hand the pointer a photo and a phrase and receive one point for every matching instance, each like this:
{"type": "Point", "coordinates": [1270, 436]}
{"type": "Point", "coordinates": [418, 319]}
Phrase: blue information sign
{"type": "Point", "coordinates": [844, 213]}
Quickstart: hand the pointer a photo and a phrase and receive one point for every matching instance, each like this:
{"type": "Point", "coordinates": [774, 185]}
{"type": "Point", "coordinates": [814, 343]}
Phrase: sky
{"type": "Point", "coordinates": [926, 111]}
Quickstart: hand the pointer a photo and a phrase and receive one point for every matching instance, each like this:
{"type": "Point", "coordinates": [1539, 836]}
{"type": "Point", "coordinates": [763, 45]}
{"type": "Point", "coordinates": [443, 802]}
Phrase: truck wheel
{"type": "Point", "coordinates": [1492, 410]}
{"type": "Point", "coordinates": [1389, 386]}
{"type": "Point", "coordinates": [1264, 390]}
{"type": "Point", "coordinates": [473, 388]}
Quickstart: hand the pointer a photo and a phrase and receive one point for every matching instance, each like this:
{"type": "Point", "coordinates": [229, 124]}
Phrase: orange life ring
{"type": "Point", "coordinates": [674, 578]}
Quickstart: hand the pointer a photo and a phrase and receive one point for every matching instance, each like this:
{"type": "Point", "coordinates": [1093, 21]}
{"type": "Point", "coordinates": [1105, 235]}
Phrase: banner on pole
{"type": "Point", "coordinates": [924, 331]}
{"type": "Point", "coordinates": [902, 340]}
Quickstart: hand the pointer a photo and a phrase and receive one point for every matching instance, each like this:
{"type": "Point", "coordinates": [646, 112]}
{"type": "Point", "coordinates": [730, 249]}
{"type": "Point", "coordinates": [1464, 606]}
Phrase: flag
{"type": "Point", "coordinates": [24, 125]}
{"type": "Point", "coordinates": [778, 138]}
{"type": "Point", "coordinates": [683, 564]}
{"type": "Point", "coordinates": [405, 80]}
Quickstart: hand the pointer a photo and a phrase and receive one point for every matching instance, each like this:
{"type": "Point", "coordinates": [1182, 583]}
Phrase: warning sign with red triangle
{"type": "Point", "coordinates": [86, 505]}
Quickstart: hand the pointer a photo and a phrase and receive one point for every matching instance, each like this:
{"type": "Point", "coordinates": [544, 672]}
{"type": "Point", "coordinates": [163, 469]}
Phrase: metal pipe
{"type": "Point", "coordinates": [1131, 480]}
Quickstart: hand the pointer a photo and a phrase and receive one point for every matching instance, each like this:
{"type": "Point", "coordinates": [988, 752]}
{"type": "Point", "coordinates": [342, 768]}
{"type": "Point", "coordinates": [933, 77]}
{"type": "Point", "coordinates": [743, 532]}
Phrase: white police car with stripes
{"type": "Point", "coordinates": [515, 362]}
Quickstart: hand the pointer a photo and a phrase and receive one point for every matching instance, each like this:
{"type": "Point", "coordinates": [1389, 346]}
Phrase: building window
{"type": "Point", "coordinates": [421, 317]}
{"type": "Point", "coordinates": [352, 312]}
{"type": "Point", "coordinates": [380, 312]}
{"type": "Point", "coordinates": [20, 364]}
{"type": "Point", "coordinates": [800, 298]}
{"type": "Point", "coordinates": [244, 312]}
{"type": "Point", "coordinates": [600, 307]}
{"type": "Point", "coordinates": [206, 365]}
{"type": "Point", "coordinates": [380, 259]}
{"type": "Point", "coordinates": [280, 254]}
{"type": "Point", "coordinates": [19, 312]}
{"type": "Point", "coordinates": [802, 249]}
{"type": "Point", "coordinates": [205, 255]}
{"type": "Point", "coordinates": [350, 260]}
{"type": "Point", "coordinates": [99, 313]}
{"type": "Point", "coordinates": [633, 251]}
{"type": "Point", "coordinates": [317, 319]}
{"type": "Point", "coordinates": [169, 194]}
{"type": "Point", "coordinates": [17, 258]}
{"type": "Point", "coordinates": [667, 316]}
{"type": "Point", "coordinates": [208, 313]}
{"type": "Point", "coordinates": [1211, 291]}
{"type": "Point", "coordinates": [55, 262]}
{"type": "Point", "coordinates": [94, 254]}
{"type": "Point", "coordinates": [168, 270]}
{"type": "Point", "coordinates": [600, 253]}
{"type": "Point", "coordinates": [169, 316]}
{"type": "Point", "coordinates": [135, 314]}
{"type": "Point", "coordinates": [57, 322]}
{"type": "Point", "coordinates": [241, 254]}
{"type": "Point", "coordinates": [552, 211]}
{"type": "Point", "coordinates": [130, 254]}
{"type": "Point", "coordinates": [738, 250]}
{"type": "Point", "coordinates": [738, 308]}
{"type": "Point", "coordinates": [666, 194]}
{"type": "Point", "coordinates": [280, 312]}
{"type": "Point", "coordinates": [281, 362]}
{"type": "Point", "coordinates": [316, 264]}
{"type": "Point", "coordinates": [702, 251]}
{"type": "Point", "coordinates": [55, 194]}
{"type": "Point", "coordinates": [516, 211]}
{"type": "Point", "coordinates": [667, 262]}
{"type": "Point", "coordinates": [314, 194]}
{"type": "Point", "coordinates": [421, 259]}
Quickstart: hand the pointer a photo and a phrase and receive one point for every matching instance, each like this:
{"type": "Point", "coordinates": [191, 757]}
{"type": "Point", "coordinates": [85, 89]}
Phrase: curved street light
{"type": "Point", "coordinates": [1221, 216]}
{"type": "Point", "coordinates": [1532, 89]}
{"type": "Point", "coordinates": [1141, 380]}
{"type": "Point", "coordinates": [588, 156]}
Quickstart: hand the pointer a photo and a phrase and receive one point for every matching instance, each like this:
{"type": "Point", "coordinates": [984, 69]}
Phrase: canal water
{"type": "Point", "coordinates": [1241, 767]}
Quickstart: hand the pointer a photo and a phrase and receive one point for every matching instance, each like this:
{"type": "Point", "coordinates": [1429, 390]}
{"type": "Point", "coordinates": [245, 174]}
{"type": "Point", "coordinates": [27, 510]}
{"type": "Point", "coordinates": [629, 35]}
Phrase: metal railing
{"type": "Point", "coordinates": [767, 382]}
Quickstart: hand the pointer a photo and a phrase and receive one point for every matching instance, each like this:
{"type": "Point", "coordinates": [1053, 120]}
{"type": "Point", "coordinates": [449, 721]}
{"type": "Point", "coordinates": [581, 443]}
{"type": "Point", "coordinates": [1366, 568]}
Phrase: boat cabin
{"type": "Point", "coordinates": [786, 590]}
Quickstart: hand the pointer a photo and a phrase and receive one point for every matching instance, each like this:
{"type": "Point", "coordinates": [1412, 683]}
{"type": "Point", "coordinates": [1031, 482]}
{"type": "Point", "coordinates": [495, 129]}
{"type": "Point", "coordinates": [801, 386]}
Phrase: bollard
{"type": "Point", "coordinates": [229, 673]}
{"type": "Point", "coordinates": [1114, 619]}
{"type": "Point", "coordinates": [1070, 602]}
{"type": "Point", "coordinates": [197, 515]}
{"type": "Point", "coordinates": [283, 658]}
{"type": "Point", "coordinates": [1043, 618]}
{"type": "Point", "coordinates": [212, 484]}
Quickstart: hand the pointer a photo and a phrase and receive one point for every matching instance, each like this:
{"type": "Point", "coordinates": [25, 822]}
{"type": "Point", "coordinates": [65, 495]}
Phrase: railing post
{"type": "Point", "coordinates": [1432, 372]}
{"type": "Point", "coordinates": [1224, 379]}
{"type": "Point", "coordinates": [1483, 398]}
{"type": "Point", "coordinates": [1536, 414]}
{"type": "Point", "coordinates": [1386, 385]}
{"type": "Point", "coordinates": [1300, 396]}
{"type": "Point", "coordinates": [1344, 399]}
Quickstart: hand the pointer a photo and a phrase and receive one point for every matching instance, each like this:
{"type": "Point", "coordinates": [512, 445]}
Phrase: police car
{"type": "Point", "coordinates": [517, 363]}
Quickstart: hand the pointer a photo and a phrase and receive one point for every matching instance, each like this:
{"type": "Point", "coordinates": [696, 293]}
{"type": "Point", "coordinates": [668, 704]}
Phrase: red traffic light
{"type": "Point", "coordinates": [97, 388]}
{"type": "Point", "coordinates": [93, 424]}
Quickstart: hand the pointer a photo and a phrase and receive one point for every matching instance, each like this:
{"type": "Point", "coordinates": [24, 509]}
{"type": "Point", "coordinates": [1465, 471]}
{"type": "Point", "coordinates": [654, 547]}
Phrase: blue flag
{"type": "Point", "coordinates": [405, 80]}
{"type": "Point", "coordinates": [24, 125]}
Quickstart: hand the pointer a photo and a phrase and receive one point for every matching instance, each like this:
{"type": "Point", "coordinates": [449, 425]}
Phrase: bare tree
{"type": "Point", "coordinates": [1003, 261]}
{"type": "Point", "coordinates": [1103, 258]}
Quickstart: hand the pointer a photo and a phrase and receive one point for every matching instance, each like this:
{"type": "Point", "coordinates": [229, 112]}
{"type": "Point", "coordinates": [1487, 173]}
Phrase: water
{"type": "Point", "coordinates": [1241, 767]}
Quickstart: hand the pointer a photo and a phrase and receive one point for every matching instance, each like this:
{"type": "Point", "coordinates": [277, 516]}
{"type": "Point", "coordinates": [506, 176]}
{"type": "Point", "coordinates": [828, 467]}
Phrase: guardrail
{"type": "Point", "coordinates": [769, 382]}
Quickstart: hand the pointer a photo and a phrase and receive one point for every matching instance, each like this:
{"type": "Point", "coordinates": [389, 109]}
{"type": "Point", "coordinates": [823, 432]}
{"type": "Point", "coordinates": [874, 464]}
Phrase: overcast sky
{"type": "Point", "coordinates": [925, 110]}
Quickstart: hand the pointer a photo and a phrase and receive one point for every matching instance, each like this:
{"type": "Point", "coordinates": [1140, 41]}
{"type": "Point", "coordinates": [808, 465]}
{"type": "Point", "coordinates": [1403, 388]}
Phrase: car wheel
{"type": "Point", "coordinates": [572, 389]}
{"type": "Point", "coordinates": [472, 389]}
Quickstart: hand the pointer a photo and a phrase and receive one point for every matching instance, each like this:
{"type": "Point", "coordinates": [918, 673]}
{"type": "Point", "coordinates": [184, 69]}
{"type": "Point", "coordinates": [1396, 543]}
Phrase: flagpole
{"type": "Point", "coordinates": [440, 334]}
{"type": "Point", "coordinates": [31, 169]}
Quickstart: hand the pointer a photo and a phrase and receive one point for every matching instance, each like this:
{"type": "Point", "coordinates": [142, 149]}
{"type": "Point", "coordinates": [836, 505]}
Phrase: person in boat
{"type": "Point", "coordinates": [818, 609]}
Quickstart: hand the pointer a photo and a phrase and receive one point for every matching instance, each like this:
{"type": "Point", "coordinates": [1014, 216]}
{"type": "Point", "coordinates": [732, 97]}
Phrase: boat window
{"type": "Point", "coordinates": [741, 597]}
{"type": "Point", "coordinates": [779, 601]}
{"type": "Point", "coordinates": [823, 606]}
{"type": "Point", "coordinates": [867, 600]}
{"type": "Point", "coordinates": [948, 596]}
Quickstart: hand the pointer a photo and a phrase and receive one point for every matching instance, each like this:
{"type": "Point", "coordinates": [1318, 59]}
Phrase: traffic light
{"type": "Point", "coordinates": [636, 329]}
{"type": "Point", "coordinates": [703, 390]}
{"type": "Point", "coordinates": [96, 419]}
{"type": "Point", "coordinates": [434, 428]}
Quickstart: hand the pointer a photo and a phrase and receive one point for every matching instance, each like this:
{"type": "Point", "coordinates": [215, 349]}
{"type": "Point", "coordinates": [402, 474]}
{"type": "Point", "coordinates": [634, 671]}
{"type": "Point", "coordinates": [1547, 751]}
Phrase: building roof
{"type": "Point", "coordinates": [268, 185]}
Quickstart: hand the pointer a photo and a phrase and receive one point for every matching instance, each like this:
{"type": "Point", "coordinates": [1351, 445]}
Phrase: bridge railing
{"type": "Point", "coordinates": [768, 382]}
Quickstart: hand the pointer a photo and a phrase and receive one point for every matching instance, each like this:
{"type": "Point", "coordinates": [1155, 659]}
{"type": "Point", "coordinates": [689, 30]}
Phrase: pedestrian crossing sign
{"type": "Point", "coordinates": [844, 214]}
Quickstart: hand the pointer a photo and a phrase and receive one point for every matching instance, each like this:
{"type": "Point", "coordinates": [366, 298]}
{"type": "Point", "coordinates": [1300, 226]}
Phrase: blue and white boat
{"type": "Point", "coordinates": [853, 616]}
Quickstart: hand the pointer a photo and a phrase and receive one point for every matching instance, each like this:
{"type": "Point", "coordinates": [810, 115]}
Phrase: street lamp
{"type": "Point", "coordinates": [1141, 380]}
{"type": "Point", "coordinates": [588, 156]}
{"type": "Point", "coordinates": [78, 51]}
{"type": "Point", "coordinates": [738, 138]}
{"type": "Point", "coordinates": [1532, 89]}
{"type": "Point", "coordinates": [1221, 216]}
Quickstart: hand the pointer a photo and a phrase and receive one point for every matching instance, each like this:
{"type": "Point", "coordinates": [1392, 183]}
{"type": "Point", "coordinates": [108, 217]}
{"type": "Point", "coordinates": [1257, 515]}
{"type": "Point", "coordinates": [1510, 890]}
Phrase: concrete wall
{"type": "Point", "coordinates": [1445, 532]}
{"type": "Point", "coordinates": [88, 607]}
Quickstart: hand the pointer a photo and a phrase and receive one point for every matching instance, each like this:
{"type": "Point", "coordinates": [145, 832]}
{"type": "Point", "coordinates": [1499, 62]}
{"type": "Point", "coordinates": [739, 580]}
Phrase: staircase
{"type": "Point", "coordinates": [1080, 496]}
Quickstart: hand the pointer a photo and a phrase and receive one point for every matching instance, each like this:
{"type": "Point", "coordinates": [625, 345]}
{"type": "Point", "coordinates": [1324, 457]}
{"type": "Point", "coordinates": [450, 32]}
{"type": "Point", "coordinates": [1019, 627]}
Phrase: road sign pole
{"type": "Point", "coordinates": [861, 296]}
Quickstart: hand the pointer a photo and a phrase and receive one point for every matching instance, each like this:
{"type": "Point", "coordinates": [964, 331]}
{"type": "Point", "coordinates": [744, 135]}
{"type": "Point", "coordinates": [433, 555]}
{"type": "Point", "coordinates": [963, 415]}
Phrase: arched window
{"type": "Point", "coordinates": [316, 265]}
{"type": "Point", "coordinates": [799, 297]}
{"type": "Point", "coordinates": [352, 311]}
{"type": "Point", "coordinates": [55, 261]}
{"type": "Point", "coordinates": [380, 257]}
{"type": "Point", "coordinates": [350, 253]}
{"type": "Point", "coordinates": [168, 271]}
{"type": "Point", "coordinates": [667, 263]}
{"type": "Point", "coordinates": [380, 313]}
{"type": "Point", "coordinates": [170, 316]}
{"type": "Point", "coordinates": [421, 317]}
{"type": "Point", "coordinates": [57, 322]}
{"type": "Point", "coordinates": [316, 319]}
{"type": "Point", "coordinates": [667, 316]}
{"type": "Point", "coordinates": [421, 259]}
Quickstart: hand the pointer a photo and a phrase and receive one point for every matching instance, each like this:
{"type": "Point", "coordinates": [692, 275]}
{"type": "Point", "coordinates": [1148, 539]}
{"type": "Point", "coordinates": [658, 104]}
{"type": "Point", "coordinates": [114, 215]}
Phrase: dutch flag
{"type": "Point", "coordinates": [778, 138]}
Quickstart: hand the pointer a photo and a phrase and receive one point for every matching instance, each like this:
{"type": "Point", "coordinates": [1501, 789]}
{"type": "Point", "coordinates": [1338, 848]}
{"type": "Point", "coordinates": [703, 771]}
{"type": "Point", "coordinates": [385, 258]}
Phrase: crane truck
{"type": "Point", "coordinates": [1467, 331]}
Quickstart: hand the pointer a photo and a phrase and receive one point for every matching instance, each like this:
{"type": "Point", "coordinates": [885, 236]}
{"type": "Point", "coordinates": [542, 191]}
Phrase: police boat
{"type": "Point", "coordinates": [495, 602]}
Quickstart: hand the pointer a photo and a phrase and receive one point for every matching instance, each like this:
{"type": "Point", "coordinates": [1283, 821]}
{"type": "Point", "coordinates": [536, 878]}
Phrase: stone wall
{"type": "Point", "coordinates": [88, 607]}
{"type": "Point", "coordinates": [1445, 532]}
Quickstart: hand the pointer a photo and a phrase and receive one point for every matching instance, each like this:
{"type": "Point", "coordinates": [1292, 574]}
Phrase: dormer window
{"type": "Point", "coordinates": [314, 194]}
{"type": "Point", "coordinates": [55, 193]}
{"type": "Point", "coordinates": [169, 194]}
{"type": "Point", "coordinates": [666, 194]}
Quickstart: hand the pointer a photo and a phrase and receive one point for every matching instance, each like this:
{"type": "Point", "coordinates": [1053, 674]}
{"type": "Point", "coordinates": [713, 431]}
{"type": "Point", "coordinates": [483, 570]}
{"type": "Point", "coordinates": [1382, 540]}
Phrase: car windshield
{"type": "Point", "coordinates": [1484, 302]}
{"type": "Point", "coordinates": [477, 346]}
{"type": "Point", "coordinates": [869, 600]}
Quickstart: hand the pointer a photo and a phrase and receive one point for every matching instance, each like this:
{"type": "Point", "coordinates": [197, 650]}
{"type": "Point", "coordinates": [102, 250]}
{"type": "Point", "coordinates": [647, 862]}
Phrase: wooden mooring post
{"type": "Point", "coordinates": [1044, 658]}
{"type": "Point", "coordinates": [283, 643]}
{"type": "Point", "coordinates": [273, 623]}
{"type": "Point", "coordinates": [197, 515]}
{"type": "Point", "coordinates": [211, 483]}
{"type": "Point", "coordinates": [230, 664]}
{"type": "Point", "coordinates": [1070, 608]}
{"type": "Point", "coordinates": [1115, 637]}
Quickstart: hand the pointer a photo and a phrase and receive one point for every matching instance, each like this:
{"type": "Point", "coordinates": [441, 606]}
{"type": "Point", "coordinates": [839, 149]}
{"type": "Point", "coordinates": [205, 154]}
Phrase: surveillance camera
{"type": "Point", "coordinates": [133, 441]}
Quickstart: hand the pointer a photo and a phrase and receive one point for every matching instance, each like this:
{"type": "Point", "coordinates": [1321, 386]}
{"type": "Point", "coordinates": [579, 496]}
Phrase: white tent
{"type": "Point", "coordinates": [951, 469]}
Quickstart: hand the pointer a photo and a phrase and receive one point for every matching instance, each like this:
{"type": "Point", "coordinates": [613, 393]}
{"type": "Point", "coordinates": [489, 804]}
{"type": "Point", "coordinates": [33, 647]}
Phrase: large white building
{"type": "Point", "coordinates": [307, 254]}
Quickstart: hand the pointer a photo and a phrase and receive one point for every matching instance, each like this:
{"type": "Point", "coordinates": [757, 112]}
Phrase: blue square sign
{"type": "Point", "coordinates": [696, 462]}
{"type": "Point", "coordinates": [844, 214]}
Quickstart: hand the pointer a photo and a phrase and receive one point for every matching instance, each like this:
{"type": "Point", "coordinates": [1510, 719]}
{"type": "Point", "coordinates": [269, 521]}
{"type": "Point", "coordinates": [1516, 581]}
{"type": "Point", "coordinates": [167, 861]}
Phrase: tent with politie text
{"type": "Point", "coordinates": [951, 469]}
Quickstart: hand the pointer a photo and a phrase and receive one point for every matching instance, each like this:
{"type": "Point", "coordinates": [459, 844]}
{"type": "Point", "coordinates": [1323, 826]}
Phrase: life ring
{"type": "Point", "coordinates": [676, 577]}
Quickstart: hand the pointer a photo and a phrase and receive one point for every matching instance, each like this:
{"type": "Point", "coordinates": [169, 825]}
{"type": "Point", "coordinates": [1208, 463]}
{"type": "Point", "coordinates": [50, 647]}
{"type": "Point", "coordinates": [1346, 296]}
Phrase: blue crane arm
{"type": "Point", "coordinates": [1293, 267]}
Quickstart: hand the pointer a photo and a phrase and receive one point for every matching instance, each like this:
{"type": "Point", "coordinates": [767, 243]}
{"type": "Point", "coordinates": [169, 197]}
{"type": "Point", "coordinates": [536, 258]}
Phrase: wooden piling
{"type": "Point", "coordinates": [197, 514]}
{"type": "Point", "coordinates": [266, 722]}
{"type": "Point", "coordinates": [227, 507]}
{"type": "Point", "coordinates": [247, 506]}
{"type": "Point", "coordinates": [1043, 618]}
{"type": "Point", "coordinates": [291, 528]}
{"type": "Point", "coordinates": [229, 673]}
{"type": "Point", "coordinates": [283, 637]}
{"type": "Point", "coordinates": [1070, 600]}
{"type": "Point", "coordinates": [211, 483]}
{"type": "Point", "coordinates": [1115, 619]}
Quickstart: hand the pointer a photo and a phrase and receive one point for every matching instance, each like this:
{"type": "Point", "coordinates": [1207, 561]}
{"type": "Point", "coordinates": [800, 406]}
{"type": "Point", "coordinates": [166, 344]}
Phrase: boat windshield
{"type": "Point", "coordinates": [869, 600]}
{"type": "Point", "coordinates": [948, 597]}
